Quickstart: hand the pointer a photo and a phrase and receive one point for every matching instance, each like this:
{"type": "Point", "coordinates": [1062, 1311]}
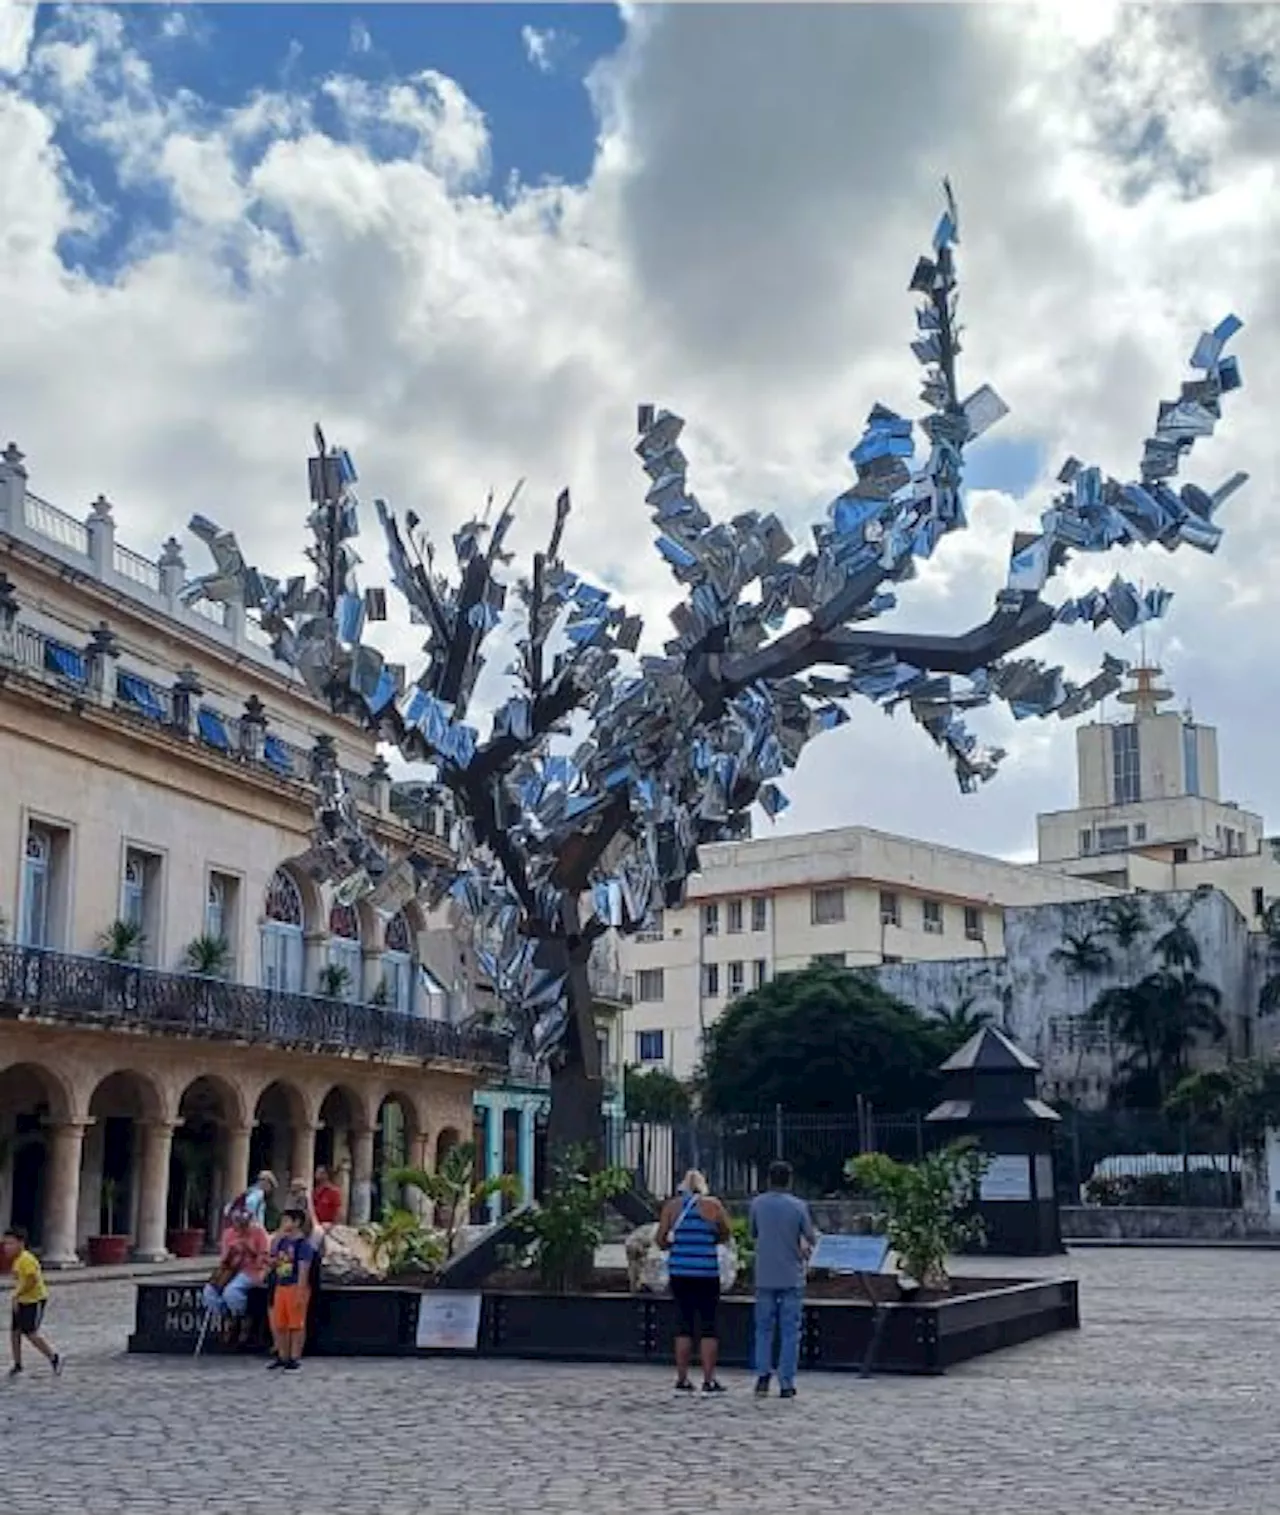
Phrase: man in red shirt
{"type": "Point", "coordinates": [326, 1199]}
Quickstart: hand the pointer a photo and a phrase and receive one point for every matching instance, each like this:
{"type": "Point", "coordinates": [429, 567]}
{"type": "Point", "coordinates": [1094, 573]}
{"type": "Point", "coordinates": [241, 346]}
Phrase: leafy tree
{"type": "Point", "coordinates": [817, 1039]}
{"type": "Point", "coordinates": [653, 1094]}
{"type": "Point", "coordinates": [1243, 1097]}
{"type": "Point", "coordinates": [929, 1206]}
{"type": "Point", "coordinates": [562, 1234]}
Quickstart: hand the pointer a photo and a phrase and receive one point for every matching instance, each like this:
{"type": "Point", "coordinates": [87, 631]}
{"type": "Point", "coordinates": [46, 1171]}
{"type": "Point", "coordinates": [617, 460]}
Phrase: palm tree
{"type": "Point", "coordinates": [334, 980]}
{"type": "Point", "coordinates": [1126, 924]}
{"type": "Point", "coordinates": [1178, 948]}
{"type": "Point", "coordinates": [961, 1021]}
{"type": "Point", "coordinates": [1158, 1020]}
{"type": "Point", "coordinates": [1082, 956]}
{"type": "Point", "coordinates": [1269, 994]}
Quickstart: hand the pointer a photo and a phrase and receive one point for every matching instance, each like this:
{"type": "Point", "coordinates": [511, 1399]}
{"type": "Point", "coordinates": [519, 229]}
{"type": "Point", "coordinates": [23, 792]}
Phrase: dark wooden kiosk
{"type": "Point", "coordinates": [992, 1095]}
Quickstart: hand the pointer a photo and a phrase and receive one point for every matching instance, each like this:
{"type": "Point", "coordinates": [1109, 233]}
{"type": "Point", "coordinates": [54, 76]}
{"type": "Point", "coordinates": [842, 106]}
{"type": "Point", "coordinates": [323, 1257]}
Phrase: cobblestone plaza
{"type": "Point", "coordinates": [1164, 1401]}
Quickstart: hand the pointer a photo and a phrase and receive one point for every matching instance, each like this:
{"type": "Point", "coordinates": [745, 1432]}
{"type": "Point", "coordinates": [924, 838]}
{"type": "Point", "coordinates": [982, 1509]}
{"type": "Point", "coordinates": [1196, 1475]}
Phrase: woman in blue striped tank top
{"type": "Point", "coordinates": [691, 1229]}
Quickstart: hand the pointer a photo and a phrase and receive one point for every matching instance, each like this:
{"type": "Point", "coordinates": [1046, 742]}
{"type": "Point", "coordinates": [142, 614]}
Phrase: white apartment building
{"type": "Point", "coordinates": [853, 896]}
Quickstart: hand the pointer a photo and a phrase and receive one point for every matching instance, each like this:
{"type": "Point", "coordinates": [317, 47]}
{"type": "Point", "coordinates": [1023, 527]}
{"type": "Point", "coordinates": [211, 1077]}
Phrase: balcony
{"type": "Point", "coordinates": [150, 704]}
{"type": "Point", "coordinates": [610, 985]}
{"type": "Point", "coordinates": [521, 1069]}
{"type": "Point", "coordinates": [37, 984]}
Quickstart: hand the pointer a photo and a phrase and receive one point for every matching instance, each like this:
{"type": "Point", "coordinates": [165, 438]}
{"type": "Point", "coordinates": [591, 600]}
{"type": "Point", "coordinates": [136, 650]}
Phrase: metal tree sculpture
{"type": "Point", "coordinates": [557, 845]}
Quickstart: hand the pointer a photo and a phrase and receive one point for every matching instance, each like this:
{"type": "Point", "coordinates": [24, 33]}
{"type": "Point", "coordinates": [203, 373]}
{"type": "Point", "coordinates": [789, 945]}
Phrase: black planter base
{"type": "Point", "coordinates": [638, 1328]}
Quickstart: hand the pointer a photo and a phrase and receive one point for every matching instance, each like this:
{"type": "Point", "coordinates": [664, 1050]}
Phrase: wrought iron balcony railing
{"type": "Point", "coordinates": [98, 991]}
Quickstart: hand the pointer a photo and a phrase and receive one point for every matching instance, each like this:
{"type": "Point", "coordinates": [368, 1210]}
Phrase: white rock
{"type": "Point", "coordinates": [348, 1258]}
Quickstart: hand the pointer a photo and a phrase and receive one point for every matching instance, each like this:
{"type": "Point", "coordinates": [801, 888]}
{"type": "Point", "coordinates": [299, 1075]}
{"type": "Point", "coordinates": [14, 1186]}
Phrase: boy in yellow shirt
{"type": "Point", "coordinates": [30, 1294]}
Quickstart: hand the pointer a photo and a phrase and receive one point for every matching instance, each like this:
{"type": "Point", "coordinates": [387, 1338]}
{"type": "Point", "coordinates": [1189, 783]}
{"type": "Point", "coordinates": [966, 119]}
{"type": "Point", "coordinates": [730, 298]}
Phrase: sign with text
{"type": "Point", "coordinates": [850, 1254]}
{"type": "Point", "coordinates": [1008, 1178]}
{"type": "Point", "coordinates": [448, 1322]}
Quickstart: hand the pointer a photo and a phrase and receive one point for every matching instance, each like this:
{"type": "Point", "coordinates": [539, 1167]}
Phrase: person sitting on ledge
{"type": "Point", "coordinates": [241, 1267]}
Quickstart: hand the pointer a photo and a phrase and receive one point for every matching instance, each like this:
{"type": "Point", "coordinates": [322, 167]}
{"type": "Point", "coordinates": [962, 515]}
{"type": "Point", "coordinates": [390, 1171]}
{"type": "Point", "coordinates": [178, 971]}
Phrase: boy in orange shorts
{"type": "Point", "coordinates": [292, 1255]}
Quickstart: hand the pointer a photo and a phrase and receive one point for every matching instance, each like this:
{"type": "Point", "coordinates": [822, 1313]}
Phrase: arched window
{"type": "Point", "coordinates": [282, 935]}
{"type": "Point", "coordinates": [344, 948]}
{"type": "Point", "coordinates": [397, 964]}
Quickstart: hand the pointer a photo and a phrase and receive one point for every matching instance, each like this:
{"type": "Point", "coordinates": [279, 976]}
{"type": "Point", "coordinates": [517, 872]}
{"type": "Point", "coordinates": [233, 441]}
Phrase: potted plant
{"type": "Point", "coordinates": [455, 1190]}
{"type": "Point", "coordinates": [122, 942]}
{"type": "Point", "coordinates": [111, 1248]}
{"type": "Point", "coordinates": [195, 1162]}
{"type": "Point", "coordinates": [209, 956]}
{"type": "Point", "coordinates": [333, 981]}
{"type": "Point", "coordinates": [928, 1208]}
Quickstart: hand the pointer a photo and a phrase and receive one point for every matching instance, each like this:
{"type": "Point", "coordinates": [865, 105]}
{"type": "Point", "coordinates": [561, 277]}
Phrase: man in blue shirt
{"type": "Point", "coordinates": [784, 1237]}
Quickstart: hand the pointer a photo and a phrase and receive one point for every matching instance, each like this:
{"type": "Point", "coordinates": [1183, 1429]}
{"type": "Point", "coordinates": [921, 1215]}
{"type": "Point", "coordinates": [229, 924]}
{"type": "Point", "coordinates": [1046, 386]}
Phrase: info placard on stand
{"type": "Point", "coordinates": [448, 1322]}
{"type": "Point", "coordinates": [850, 1254]}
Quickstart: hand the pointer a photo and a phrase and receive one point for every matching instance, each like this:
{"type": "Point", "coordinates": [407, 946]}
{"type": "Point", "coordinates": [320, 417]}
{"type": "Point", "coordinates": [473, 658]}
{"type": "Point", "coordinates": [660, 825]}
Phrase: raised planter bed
{"type": "Point", "coordinates": [921, 1335]}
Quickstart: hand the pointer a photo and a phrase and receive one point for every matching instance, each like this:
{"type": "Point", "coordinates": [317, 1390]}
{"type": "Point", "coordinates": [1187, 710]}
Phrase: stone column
{"type": "Point", "coordinates": [361, 1175]}
{"type": "Point", "coordinates": [8, 613]}
{"type": "Point", "coordinates": [493, 1167]}
{"type": "Point", "coordinates": [418, 1156]}
{"type": "Point", "coordinates": [237, 1174]}
{"type": "Point", "coordinates": [527, 1140]}
{"type": "Point", "coordinates": [302, 1155]}
{"type": "Point", "coordinates": [101, 527]}
{"type": "Point", "coordinates": [380, 785]}
{"type": "Point", "coordinates": [13, 489]}
{"type": "Point", "coordinates": [153, 1190]}
{"type": "Point", "coordinates": [187, 691]}
{"type": "Point", "coordinates": [101, 655]}
{"type": "Point", "coordinates": [62, 1199]}
{"type": "Point", "coordinates": [173, 570]}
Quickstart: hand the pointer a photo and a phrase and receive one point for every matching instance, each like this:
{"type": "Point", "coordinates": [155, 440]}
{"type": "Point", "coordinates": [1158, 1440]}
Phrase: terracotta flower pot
{"type": "Point", "coordinates": [108, 1251]}
{"type": "Point", "coordinates": [188, 1242]}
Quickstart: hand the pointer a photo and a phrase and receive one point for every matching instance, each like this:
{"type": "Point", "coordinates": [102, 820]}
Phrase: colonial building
{"type": "Point", "coordinates": [180, 1003]}
{"type": "Point", "coordinates": [853, 896]}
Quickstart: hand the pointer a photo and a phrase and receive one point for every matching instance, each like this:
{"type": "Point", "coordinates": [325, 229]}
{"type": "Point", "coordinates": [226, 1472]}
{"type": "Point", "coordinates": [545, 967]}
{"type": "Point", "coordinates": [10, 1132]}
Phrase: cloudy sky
{"type": "Point", "coordinates": [470, 239]}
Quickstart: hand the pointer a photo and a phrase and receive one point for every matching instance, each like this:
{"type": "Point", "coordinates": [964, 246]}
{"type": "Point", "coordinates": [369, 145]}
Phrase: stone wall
{"type": "Point", "coordinates": [1033, 994]}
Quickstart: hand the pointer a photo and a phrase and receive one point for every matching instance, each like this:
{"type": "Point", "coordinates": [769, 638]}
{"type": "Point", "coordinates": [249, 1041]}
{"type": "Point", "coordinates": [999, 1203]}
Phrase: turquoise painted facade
{"type": "Point", "coordinates": [525, 1102]}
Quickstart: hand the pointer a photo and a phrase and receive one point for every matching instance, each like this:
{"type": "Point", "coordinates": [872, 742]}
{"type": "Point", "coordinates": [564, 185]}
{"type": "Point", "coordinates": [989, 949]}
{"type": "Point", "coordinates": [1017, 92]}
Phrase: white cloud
{"type": "Point", "coordinates": [740, 253]}
{"type": "Point", "coordinates": [361, 39]}
{"type": "Point", "coordinates": [17, 29]}
{"type": "Point", "coordinates": [538, 47]}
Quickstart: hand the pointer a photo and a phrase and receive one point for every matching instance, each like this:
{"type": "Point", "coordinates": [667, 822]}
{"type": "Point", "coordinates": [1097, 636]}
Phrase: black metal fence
{"type": "Point", "coordinates": [1100, 1157]}
{"type": "Point", "coordinates": [97, 991]}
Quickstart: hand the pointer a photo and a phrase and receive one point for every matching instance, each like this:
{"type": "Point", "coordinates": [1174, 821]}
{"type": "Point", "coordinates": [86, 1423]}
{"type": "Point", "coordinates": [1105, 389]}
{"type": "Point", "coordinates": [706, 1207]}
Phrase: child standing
{"type": "Point", "coordinates": [292, 1254]}
{"type": "Point", "coordinates": [30, 1294]}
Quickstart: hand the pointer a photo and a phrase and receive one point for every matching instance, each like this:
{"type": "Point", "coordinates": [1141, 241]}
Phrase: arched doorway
{"type": "Point", "coordinates": [397, 965]}
{"type": "Point", "coordinates": [346, 955]}
{"type": "Point", "coordinates": [282, 935]}
{"type": "Point", "coordinates": [394, 1145]}
{"type": "Point", "coordinates": [111, 1166]}
{"type": "Point", "coordinates": [198, 1175]}
{"type": "Point", "coordinates": [341, 1112]}
{"type": "Point", "coordinates": [279, 1116]}
{"type": "Point", "coordinates": [30, 1098]}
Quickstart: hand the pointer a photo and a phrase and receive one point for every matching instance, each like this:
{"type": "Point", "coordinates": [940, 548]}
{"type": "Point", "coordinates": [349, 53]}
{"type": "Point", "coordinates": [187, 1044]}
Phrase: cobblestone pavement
{"type": "Point", "coordinates": [1164, 1401]}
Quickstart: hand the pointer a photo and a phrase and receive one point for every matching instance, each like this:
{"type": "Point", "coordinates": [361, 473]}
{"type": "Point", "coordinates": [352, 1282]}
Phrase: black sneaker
{"type": "Point", "coordinates": [276, 1362]}
{"type": "Point", "coordinates": [15, 1370]}
{"type": "Point", "coordinates": [762, 1386]}
{"type": "Point", "coordinates": [683, 1386]}
{"type": "Point", "coordinates": [293, 1365]}
{"type": "Point", "coordinates": [56, 1363]}
{"type": "Point", "coordinates": [787, 1393]}
{"type": "Point", "coordinates": [713, 1386]}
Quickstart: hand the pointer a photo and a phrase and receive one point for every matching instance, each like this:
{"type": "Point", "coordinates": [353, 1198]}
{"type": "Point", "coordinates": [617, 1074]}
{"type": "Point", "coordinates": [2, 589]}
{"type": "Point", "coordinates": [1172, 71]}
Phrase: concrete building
{"type": "Point", "coordinates": [1149, 812]}
{"type": "Point", "coordinates": [154, 760]}
{"type": "Point", "coordinates": [854, 896]}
